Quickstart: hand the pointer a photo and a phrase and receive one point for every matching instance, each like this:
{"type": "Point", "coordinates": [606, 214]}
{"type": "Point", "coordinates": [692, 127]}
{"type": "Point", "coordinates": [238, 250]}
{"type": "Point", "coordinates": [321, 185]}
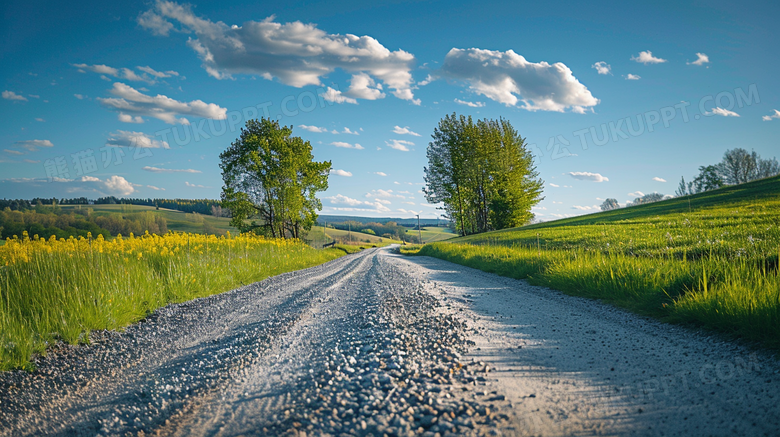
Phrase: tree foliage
{"type": "Point", "coordinates": [482, 173]}
{"type": "Point", "coordinates": [737, 167]}
{"type": "Point", "coordinates": [271, 181]}
{"type": "Point", "coordinates": [610, 204]}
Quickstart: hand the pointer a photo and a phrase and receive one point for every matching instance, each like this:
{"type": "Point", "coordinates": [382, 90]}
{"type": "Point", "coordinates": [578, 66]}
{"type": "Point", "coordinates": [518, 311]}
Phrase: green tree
{"type": "Point", "coordinates": [271, 181]}
{"type": "Point", "coordinates": [610, 204]}
{"type": "Point", "coordinates": [482, 173]}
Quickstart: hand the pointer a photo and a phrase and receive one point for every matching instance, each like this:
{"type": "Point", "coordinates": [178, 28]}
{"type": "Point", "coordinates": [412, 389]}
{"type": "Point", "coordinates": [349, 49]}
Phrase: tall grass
{"type": "Point", "coordinates": [62, 289]}
{"type": "Point", "coordinates": [709, 260]}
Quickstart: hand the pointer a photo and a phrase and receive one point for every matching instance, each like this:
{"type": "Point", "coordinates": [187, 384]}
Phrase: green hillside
{"type": "Point", "coordinates": [709, 259]}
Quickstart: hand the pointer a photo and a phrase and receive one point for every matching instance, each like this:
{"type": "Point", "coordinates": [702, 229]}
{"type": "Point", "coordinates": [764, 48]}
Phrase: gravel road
{"type": "Point", "coordinates": [376, 343]}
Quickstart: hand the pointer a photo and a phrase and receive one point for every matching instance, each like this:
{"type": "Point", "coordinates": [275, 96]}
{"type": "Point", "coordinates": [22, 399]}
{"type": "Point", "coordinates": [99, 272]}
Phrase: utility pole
{"type": "Point", "coordinates": [419, 231]}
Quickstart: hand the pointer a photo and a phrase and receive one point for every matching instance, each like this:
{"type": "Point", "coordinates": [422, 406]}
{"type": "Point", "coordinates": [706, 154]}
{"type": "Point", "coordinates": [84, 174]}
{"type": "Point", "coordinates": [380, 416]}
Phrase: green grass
{"type": "Point", "coordinates": [319, 236]}
{"type": "Point", "coordinates": [710, 260]}
{"type": "Point", "coordinates": [431, 234]}
{"type": "Point", "coordinates": [63, 290]}
{"type": "Point", "coordinates": [177, 220]}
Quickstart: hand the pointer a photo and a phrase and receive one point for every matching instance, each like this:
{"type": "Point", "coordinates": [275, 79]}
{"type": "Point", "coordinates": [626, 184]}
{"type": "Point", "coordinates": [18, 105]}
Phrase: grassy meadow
{"type": "Point", "coordinates": [432, 234]}
{"type": "Point", "coordinates": [62, 289]}
{"type": "Point", "coordinates": [319, 236]}
{"type": "Point", "coordinates": [710, 260]}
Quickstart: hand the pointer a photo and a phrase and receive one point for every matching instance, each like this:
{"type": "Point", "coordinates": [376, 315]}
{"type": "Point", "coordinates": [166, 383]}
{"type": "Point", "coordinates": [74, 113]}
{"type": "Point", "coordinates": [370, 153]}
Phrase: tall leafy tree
{"type": "Point", "coordinates": [482, 173]}
{"type": "Point", "coordinates": [610, 204]}
{"type": "Point", "coordinates": [271, 181]}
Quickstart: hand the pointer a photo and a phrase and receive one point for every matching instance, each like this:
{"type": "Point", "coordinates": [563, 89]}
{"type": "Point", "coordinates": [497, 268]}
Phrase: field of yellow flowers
{"type": "Point", "coordinates": [60, 289]}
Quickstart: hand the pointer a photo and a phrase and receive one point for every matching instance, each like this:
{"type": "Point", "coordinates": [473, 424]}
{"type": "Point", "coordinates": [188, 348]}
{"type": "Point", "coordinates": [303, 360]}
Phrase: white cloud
{"type": "Point", "coordinates": [98, 68]}
{"type": "Point", "coordinates": [409, 211]}
{"type": "Point", "coordinates": [701, 59]}
{"type": "Point", "coordinates": [588, 176]}
{"type": "Point", "coordinates": [296, 54]}
{"type": "Point", "coordinates": [647, 57]}
{"type": "Point", "coordinates": [85, 185]}
{"type": "Point", "coordinates": [554, 185]}
{"type": "Point", "coordinates": [170, 170]}
{"type": "Point", "coordinates": [80, 96]}
{"type": "Point", "coordinates": [505, 76]}
{"type": "Point", "coordinates": [340, 199]}
{"type": "Point", "coordinates": [194, 185]}
{"type": "Point", "coordinates": [10, 95]}
{"type": "Point", "coordinates": [363, 86]}
{"type": "Point", "coordinates": [428, 79]}
{"type": "Point", "coordinates": [384, 194]}
{"type": "Point", "coordinates": [341, 173]}
{"type": "Point", "coordinates": [13, 152]}
{"type": "Point", "coordinates": [404, 131]}
{"type": "Point", "coordinates": [346, 145]}
{"type": "Point", "coordinates": [313, 128]}
{"type": "Point", "coordinates": [33, 145]}
{"type": "Point", "coordinates": [636, 194]}
{"type": "Point", "coordinates": [586, 208]}
{"type": "Point", "coordinates": [158, 74]}
{"type": "Point", "coordinates": [380, 173]}
{"type": "Point", "coordinates": [117, 184]}
{"type": "Point", "coordinates": [399, 145]}
{"type": "Point", "coordinates": [155, 188]}
{"type": "Point", "coordinates": [470, 104]}
{"type": "Point", "coordinates": [602, 67]}
{"type": "Point", "coordinates": [722, 112]}
{"type": "Point", "coordinates": [123, 138]}
{"type": "Point", "coordinates": [383, 201]}
{"type": "Point", "coordinates": [127, 118]}
{"type": "Point", "coordinates": [40, 120]}
{"type": "Point", "coordinates": [128, 100]}
{"type": "Point", "coordinates": [335, 96]}
{"type": "Point", "coordinates": [657, 179]}
{"type": "Point", "coordinates": [349, 132]}
{"type": "Point", "coordinates": [633, 76]}
{"type": "Point", "coordinates": [770, 117]}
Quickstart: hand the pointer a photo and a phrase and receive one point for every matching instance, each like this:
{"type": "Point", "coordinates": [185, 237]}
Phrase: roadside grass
{"type": "Point", "coordinates": [714, 265]}
{"type": "Point", "coordinates": [431, 234]}
{"type": "Point", "coordinates": [61, 290]}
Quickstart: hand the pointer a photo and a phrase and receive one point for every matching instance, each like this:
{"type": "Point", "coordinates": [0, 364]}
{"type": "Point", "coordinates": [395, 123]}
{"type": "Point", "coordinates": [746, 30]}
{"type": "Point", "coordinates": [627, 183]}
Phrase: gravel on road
{"type": "Point", "coordinates": [379, 344]}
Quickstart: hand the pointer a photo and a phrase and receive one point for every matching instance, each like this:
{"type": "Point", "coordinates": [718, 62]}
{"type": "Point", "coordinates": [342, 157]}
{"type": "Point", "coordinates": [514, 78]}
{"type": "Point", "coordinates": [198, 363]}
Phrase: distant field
{"type": "Point", "coordinates": [710, 259]}
{"type": "Point", "coordinates": [432, 234]}
{"type": "Point", "coordinates": [177, 220]}
{"type": "Point", "coordinates": [319, 236]}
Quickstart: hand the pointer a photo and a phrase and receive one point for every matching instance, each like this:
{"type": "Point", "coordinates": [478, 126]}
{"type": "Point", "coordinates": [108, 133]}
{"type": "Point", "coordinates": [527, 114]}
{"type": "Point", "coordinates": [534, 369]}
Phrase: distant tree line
{"type": "Point", "coordinates": [45, 221]}
{"type": "Point", "coordinates": [391, 230]}
{"type": "Point", "coordinates": [612, 203]}
{"type": "Point", "coordinates": [737, 167]}
{"type": "Point", "coordinates": [201, 206]}
{"type": "Point", "coordinates": [483, 174]}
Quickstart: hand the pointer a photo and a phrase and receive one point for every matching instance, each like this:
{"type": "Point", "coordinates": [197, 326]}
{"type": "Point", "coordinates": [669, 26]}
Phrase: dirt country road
{"type": "Point", "coordinates": [377, 343]}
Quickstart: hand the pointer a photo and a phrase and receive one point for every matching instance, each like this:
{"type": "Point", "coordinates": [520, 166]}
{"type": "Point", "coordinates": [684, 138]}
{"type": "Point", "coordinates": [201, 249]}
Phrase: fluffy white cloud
{"type": "Point", "coordinates": [630, 76]}
{"type": "Point", "coordinates": [128, 100]}
{"type": "Point", "coordinates": [701, 59]}
{"type": "Point", "coordinates": [363, 86]}
{"type": "Point", "coordinates": [386, 194]}
{"type": "Point", "coordinates": [404, 131]}
{"type": "Point", "coordinates": [10, 95]}
{"type": "Point", "coordinates": [341, 173]}
{"type": "Point", "coordinates": [123, 138]}
{"type": "Point", "coordinates": [376, 206]}
{"type": "Point", "coordinates": [170, 170]}
{"type": "Point", "coordinates": [157, 74]}
{"type": "Point", "coordinates": [505, 76]}
{"type": "Point", "coordinates": [127, 118]}
{"type": "Point", "coordinates": [636, 194]}
{"type": "Point", "coordinates": [657, 179]}
{"type": "Point", "coordinates": [428, 79]}
{"type": "Point", "coordinates": [602, 67]}
{"type": "Point", "coordinates": [471, 104]}
{"type": "Point", "coordinates": [554, 185]}
{"type": "Point", "coordinates": [586, 208]}
{"type": "Point", "coordinates": [155, 188]}
{"type": "Point", "coordinates": [722, 112]}
{"type": "Point", "coordinates": [380, 173]}
{"type": "Point", "coordinates": [194, 185]}
{"type": "Point", "coordinates": [647, 57]}
{"type": "Point", "coordinates": [315, 129]}
{"type": "Point", "coordinates": [123, 73]}
{"type": "Point", "coordinates": [13, 152]}
{"type": "Point", "coordinates": [399, 145]}
{"type": "Point", "coordinates": [336, 96]}
{"type": "Point", "coordinates": [588, 176]}
{"type": "Point", "coordinates": [33, 145]}
{"type": "Point", "coordinates": [770, 117]}
{"type": "Point", "coordinates": [349, 132]}
{"type": "Point", "coordinates": [85, 185]}
{"type": "Point", "coordinates": [296, 54]}
{"type": "Point", "coordinates": [344, 145]}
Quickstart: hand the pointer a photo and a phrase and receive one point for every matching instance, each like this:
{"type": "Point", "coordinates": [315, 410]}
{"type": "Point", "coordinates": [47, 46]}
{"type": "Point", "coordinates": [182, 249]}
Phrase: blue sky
{"type": "Point", "coordinates": [139, 98]}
